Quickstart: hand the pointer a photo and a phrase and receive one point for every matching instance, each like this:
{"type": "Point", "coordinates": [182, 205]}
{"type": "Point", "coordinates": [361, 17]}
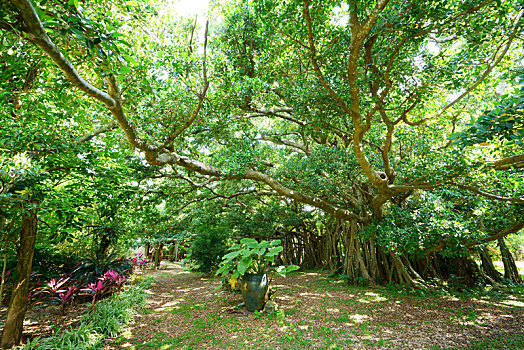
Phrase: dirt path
{"type": "Point", "coordinates": [187, 311]}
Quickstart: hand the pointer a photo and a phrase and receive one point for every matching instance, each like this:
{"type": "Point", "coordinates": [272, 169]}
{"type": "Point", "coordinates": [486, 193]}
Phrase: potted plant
{"type": "Point", "coordinates": [250, 261]}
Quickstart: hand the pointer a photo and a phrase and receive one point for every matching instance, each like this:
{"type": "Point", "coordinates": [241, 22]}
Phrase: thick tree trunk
{"type": "Point", "coordinates": [399, 272]}
{"type": "Point", "coordinates": [464, 271]}
{"type": "Point", "coordinates": [354, 263]}
{"type": "Point", "coordinates": [510, 268]}
{"type": "Point", "coordinates": [488, 267]}
{"type": "Point", "coordinates": [12, 334]}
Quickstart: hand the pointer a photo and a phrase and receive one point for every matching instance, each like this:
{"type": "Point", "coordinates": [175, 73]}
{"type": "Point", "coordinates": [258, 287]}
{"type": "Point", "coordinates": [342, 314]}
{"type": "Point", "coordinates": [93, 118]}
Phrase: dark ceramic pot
{"type": "Point", "coordinates": [254, 289]}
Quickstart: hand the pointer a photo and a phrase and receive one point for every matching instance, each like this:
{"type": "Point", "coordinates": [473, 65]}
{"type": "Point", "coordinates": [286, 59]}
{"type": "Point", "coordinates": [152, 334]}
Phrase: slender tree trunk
{"type": "Point", "coordinates": [147, 249]}
{"type": "Point", "coordinates": [12, 334]}
{"type": "Point", "coordinates": [172, 252]}
{"type": "Point", "coordinates": [2, 229]}
{"type": "Point", "coordinates": [510, 268]}
{"type": "Point", "coordinates": [158, 255]}
{"type": "Point", "coordinates": [3, 278]}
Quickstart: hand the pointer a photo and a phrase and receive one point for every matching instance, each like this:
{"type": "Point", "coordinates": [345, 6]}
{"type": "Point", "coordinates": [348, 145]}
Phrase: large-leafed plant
{"type": "Point", "coordinates": [253, 257]}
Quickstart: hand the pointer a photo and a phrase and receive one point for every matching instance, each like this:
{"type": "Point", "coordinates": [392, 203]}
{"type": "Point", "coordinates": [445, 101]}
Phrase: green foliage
{"type": "Point", "coordinates": [425, 223]}
{"type": "Point", "coordinates": [207, 249]}
{"type": "Point", "coordinates": [504, 122]}
{"type": "Point", "coordinates": [83, 337]}
{"type": "Point", "coordinates": [91, 268]}
{"type": "Point", "coordinates": [267, 112]}
{"type": "Point", "coordinates": [49, 262]}
{"type": "Point", "coordinates": [515, 244]}
{"type": "Point", "coordinates": [251, 256]}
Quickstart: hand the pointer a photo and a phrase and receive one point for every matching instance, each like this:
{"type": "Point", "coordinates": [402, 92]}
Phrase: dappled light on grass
{"type": "Point", "coordinates": [186, 290]}
{"type": "Point", "coordinates": [371, 297]}
{"type": "Point", "coordinates": [312, 274]}
{"type": "Point", "coordinates": [513, 302]}
{"type": "Point", "coordinates": [171, 304]}
{"type": "Point", "coordinates": [357, 318]}
{"type": "Point", "coordinates": [188, 312]}
{"type": "Point", "coordinates": [310, 295]}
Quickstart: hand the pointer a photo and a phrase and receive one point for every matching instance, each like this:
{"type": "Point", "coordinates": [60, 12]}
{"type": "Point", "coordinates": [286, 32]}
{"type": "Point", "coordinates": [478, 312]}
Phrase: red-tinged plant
{"type": "Point", "coordinates": [54, 286]}
{"type": "Point", "coordinates": [52, 290]}
{"type": "Point", "coordinates": [137, 261]}
{"type": "Point", "coordinates": [97, 290]}
{"type": "Point", "coordinates": [114, 280]}
{"type": "Point", "coordinates": [65, 297]}
{"type": "Point", "coordinates": [110, 282]}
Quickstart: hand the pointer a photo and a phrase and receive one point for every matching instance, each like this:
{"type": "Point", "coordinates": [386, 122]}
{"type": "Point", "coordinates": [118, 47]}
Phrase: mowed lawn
{"type": "Point", "coordinates": [189, 311]}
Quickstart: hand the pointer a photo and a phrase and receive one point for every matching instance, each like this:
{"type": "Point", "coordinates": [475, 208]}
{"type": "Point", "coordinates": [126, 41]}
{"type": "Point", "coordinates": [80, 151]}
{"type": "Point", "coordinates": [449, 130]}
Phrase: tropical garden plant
{"type": "Point", "coordinates": [91, 268]}
{"type": "Point", "coordinates": [252, 257]}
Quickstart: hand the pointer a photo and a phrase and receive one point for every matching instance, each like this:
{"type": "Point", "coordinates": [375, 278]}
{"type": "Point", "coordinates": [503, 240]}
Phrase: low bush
{"type": "Point", "coordinates": [49, 262]}
{"type": "Point", "coordinates": [60, 292]}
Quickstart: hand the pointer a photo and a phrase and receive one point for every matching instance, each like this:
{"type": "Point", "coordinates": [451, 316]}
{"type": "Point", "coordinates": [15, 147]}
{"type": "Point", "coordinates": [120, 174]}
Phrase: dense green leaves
{"type": "Point", "coordinates": [295, 114]}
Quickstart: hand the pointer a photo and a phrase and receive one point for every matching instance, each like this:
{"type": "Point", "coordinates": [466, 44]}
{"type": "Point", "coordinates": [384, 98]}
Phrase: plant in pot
{"type": "Point", "coordinates": [251, 262]}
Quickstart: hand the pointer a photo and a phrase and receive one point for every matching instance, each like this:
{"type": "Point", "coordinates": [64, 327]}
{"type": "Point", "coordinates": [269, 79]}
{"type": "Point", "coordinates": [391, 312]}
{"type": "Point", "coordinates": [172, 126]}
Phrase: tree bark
{"type": "Point", "coordinates": [488, 267]}
{"type": "Point", "coordinates": [12, 334]}
{"type": "Point", "coordinates": [147, 251]}
{"type": "Point", "coordinates": [3, 278]}
{"type": "Point", "coordinates": [510, 268]}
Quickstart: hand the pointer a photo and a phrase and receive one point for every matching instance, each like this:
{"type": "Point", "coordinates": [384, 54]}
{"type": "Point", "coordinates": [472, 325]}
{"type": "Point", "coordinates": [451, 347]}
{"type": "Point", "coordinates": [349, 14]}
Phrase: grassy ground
{"type": "Point", "coordinates": [187, 311]}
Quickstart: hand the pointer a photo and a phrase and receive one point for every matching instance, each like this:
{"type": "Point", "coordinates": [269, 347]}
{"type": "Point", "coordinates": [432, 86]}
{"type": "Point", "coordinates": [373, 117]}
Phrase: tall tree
{"type": "Point", "coordinates": [347, 108]}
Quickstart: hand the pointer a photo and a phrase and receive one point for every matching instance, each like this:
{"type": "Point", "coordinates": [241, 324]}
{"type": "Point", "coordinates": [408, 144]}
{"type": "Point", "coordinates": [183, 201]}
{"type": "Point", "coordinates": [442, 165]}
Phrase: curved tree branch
{"type": "Point", "coordinates": [515, 162]}
{"type": "Point", "coordinates": [112, 99]}
{"type": "Point", "coordinates": [206, 169]}
{"type": "Point", "coordinates": [38, 36]}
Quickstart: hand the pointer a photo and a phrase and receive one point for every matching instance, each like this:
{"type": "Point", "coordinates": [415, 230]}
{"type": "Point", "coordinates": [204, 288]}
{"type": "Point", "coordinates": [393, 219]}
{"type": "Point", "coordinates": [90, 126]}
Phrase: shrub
{"type": "Point", "coordinates": [110, 282]}
{"type": "Point", "coordinates": [109, 316]}
{"type": "Point", "coordinates": [81, 338]}
{"type": "Point", "coordinates": [207, 249]}
{"type": "Point", "coordinates": [49, 262]}
{"type": "Point", "coordinates": [138, 261]}
{"type": "Point", "coordinates": [57, 291]}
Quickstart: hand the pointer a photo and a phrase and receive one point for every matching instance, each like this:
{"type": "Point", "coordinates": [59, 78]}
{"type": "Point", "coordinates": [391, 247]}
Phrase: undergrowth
{"type": "Point", "coordinates": [105, 319]}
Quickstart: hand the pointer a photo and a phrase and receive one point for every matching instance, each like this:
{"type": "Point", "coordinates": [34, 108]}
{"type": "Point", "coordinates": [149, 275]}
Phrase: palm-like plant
{"type": "Point", "coordinates": [91, 268]}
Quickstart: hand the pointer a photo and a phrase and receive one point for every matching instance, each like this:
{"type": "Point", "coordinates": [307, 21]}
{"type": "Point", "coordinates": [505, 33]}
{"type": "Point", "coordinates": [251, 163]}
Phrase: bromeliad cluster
{"type": "Point", "coordinates": [60, 292]}
{"type": "Point", "coordinates": [109, 283]}
{"type": "Point", "coordinates": [63, 291]}
{"type": "Point", "coordinates": [90, 280]}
